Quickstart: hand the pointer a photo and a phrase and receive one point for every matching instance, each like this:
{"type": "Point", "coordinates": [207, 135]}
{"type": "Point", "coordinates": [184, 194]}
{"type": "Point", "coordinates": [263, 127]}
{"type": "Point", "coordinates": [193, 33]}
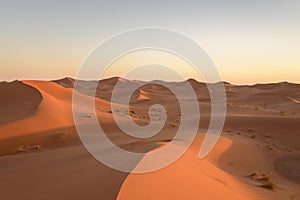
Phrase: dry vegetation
{"type": "Point", "coordinates": [22, 149]}
{"type": "Point", "coordinates": [264, 180]}
{"type": "Point", "coordinates": [253, 136]}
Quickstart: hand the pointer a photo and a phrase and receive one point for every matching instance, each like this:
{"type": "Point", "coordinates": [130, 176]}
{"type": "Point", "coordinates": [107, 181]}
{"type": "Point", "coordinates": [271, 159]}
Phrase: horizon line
{"type": "Point", "coordinates": [153, 80]}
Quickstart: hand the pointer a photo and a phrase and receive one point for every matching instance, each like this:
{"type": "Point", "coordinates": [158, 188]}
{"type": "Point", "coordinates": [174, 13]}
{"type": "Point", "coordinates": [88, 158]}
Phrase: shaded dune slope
{"type": "Point", "coordinates": [18, 100]}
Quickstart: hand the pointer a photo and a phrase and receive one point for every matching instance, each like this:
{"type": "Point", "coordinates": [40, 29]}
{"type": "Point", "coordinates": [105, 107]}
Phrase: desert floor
{"type": "Point", "coordinates": [42, 157]}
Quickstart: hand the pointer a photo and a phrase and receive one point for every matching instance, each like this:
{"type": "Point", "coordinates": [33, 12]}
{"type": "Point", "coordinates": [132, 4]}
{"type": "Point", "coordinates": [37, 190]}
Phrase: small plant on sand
{"type": "Point", "coordinates": [20, 149]}
{"type": "Point", "coordinates": [132, 112]}
{"type": "Point", "coordinates": [230, 104]}
{"type": "Point", "coordinates": [61, 136]}
{"type": "Point", "coordinates": [36, 147]}
{"type": "Point", "coordinates": [265, 180]}
{"type": "Point", "coordinates": [173, 124]}
{"type": "Point", "coordinates": [269, 147]}
{"type": "Point", "coordinates": [253, 136]}
{"type": "Point", "coordinates": [268, 184]}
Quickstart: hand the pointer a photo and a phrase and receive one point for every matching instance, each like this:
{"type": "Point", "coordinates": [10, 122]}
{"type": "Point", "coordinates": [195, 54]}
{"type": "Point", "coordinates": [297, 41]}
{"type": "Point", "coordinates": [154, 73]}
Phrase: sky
{"type": "Point", "coordinates": [249, 41]}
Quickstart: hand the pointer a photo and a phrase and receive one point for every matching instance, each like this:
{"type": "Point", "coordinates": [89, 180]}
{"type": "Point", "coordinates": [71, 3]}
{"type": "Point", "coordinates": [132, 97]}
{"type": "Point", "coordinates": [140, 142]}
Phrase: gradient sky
{"type": "Point", "coordinates": [249, 41]}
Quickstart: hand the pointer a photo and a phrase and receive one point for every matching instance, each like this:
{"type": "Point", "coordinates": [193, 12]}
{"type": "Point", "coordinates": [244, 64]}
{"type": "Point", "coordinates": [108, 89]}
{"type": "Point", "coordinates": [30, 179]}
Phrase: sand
{"type": "Point", "coordinates": [17, 101]}
{"type": "Point", "coordinates": [42, 157]}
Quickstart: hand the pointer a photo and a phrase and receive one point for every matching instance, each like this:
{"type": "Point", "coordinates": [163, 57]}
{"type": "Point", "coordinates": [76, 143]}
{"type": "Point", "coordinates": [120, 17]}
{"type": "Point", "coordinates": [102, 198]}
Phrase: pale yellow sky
{"type": "Point", "coordinates": [249, 42]}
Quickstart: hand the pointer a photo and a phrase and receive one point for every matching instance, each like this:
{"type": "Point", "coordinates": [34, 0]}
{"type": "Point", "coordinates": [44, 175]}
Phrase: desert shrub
{"type": "Point", "coordinates": [265, 180]}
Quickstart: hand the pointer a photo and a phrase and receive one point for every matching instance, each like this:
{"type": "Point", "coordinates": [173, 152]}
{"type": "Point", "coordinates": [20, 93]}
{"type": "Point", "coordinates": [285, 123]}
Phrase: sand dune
{"type": "Point", "coordinates": [187, 178]}
{"type": "Point", "coordinates": [18, 101]}
{"type": "Point", "coordinates": [42, 156]}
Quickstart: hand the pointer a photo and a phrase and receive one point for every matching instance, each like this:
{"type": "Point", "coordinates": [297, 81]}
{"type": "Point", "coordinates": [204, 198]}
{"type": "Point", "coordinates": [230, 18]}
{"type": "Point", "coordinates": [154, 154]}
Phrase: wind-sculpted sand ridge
{"type": "Point", "coordinates": [257, 156]}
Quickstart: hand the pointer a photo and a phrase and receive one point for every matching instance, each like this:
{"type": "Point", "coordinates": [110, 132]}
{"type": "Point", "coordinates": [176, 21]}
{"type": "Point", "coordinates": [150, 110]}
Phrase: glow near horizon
{"type": "Point", "coordinates": [249, 42]}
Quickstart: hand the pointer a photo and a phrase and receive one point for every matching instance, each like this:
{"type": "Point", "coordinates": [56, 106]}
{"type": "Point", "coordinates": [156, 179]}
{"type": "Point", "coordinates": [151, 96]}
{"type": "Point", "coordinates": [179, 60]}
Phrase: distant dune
{"type": "Point", "coordinates": [18, 100]}
{"type": "Point", "coordinates": [42, 157]}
